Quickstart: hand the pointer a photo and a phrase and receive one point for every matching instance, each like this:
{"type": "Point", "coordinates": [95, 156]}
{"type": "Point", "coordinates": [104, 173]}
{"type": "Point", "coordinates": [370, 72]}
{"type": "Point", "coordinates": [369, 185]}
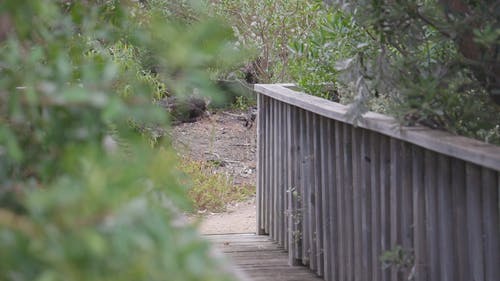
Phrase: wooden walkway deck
{"type": "Point", "coordinates": [259, 259]}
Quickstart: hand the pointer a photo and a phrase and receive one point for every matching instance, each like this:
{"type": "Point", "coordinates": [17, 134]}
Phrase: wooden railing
{"type": "Point", "coordinates": [342, 198]}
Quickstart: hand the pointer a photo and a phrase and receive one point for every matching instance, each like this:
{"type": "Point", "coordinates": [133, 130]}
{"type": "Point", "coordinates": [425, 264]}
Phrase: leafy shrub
{"type": "Point", "coordinates": [268, 27]}
{"type": "Point", "coordinates": [315, 58]}
{"type": "Point", "coordinates": [419, 61]}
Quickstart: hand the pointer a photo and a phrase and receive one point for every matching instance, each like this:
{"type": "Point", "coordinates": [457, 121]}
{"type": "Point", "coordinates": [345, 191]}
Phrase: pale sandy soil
{"type": "Point", "coordinates": [222, 137]}
{"type": "Point", "coordinates": [239, 218]}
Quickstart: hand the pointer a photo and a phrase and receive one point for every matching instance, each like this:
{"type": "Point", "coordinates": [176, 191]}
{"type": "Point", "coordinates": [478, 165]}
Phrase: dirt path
{"type": "Point", "coordinates": [239, 218]}
{"type": "Point", "coordinates": [223, 138]}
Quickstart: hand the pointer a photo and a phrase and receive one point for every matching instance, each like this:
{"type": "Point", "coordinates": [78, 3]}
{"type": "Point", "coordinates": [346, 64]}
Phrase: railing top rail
{"type": "Point", "coordinates": [470, 150]}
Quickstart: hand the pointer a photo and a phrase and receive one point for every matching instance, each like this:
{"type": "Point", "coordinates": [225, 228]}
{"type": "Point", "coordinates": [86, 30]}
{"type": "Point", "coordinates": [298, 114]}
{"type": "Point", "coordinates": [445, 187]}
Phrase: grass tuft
{"type": "Point", "coordinates": [212, 191]}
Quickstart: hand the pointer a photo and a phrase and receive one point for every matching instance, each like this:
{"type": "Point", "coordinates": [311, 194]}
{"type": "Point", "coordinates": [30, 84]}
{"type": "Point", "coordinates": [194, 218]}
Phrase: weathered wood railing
{"type": "Point", "coordinates": [338, 197]}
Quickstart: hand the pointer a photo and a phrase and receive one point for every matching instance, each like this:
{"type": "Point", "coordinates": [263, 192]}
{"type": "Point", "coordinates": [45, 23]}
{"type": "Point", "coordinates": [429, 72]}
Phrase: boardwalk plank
{"type": "Point", "coordinates": [258, 258]}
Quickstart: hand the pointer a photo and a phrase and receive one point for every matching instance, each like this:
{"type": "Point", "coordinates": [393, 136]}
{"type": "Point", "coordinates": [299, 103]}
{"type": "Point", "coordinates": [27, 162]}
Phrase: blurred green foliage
{"type": "Point", "coordinates": [83, 196]}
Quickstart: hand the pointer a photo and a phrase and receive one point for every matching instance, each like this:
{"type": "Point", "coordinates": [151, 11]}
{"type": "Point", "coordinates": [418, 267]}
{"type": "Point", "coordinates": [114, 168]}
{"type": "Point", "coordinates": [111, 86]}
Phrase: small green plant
{"type": "Point", "coordinates": [398, 258]}
{"type": "Point", "coordinates": [209, 190]}
{"type": "Point", "coordinates": [243, 103]}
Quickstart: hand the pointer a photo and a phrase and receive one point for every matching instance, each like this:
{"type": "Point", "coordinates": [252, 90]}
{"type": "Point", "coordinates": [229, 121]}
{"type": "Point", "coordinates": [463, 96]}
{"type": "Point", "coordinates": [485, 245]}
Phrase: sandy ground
{"type": "Point", "coordinates": [223, 137]}
{"type": "Point", "coordinates": [239, 218]}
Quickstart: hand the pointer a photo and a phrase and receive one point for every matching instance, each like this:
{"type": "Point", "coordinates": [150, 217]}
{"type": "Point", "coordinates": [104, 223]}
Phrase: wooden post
{"type": "Point", "coordinates": [261, 172]}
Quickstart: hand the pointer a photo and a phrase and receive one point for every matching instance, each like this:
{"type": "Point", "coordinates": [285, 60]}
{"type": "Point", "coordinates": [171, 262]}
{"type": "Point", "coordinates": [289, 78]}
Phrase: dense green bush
{"type": "Point", "coordinates": [419, 61]}
{"type": "Point", "coordinates": [437, 63]}
{"type": "Point", "coordinates": [315, 58]}
{"type": "Point", "coordinates": [268, 27]}
{"type": "Point", "coordinates": [82, 195]}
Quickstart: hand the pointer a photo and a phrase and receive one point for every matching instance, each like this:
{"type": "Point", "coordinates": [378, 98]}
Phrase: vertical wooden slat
{"type": "Point", "coordinates": [406, 200]}
{"type": "Point", "coordinates": [332, 201]}
{"type": "Point", "coordinates": [385, 210]}
{"type": "Point", "coordinates": [267, 179]}
{"type": "Point", "coordinates": [260, 157]}
{"type": "Point", "coordinates": [318, 133]}
{"type": "Point", "coordinates": [445, 226]}
{"type": "Point", "coordinates": [280, 163]}
{"type": "Point", "coordinates": [491, 208]}
{"type": "Point", "coordinates": [431, 215]}
{"type": "Point", "coordinates": [284, 177]}
{"type": "Point", "coordinates": [275, 165]}
{"type": "Point", "coordinates": [328, 198]}
{"type": "Point", "coordinates": [366, 207]}
{"type": "Point", "coordinates": [419, 214]}
{"type": "Point", "coordinates": [357, 204]}
{"type": "Point", "coordinates": [303, 188]}
{"type": "Point", "coordinates": [270, 212]}
{"type": "Point", "coordinates": [299, 190]}
{"type": "Point", "coordinates": [311, 213]}
{"type": "Point", "coordinates": [270, 203]}
{"type": "Point", "coordinates": [460, 220]}
{"type": "Point", "coordinates": [474, 221]}
{"type": "Point", "coordinates": [395, 201]}
{"type": "Point", "coordinates": [286, 171]}
{"type": "Point", "coordinates": [348, 203]}
{"type": "Point", "coordinates": [295, 250]}
{"type": "Point", "coordinates": [341, 210]}
{"type": "Point", "coordinates": [376, 225]}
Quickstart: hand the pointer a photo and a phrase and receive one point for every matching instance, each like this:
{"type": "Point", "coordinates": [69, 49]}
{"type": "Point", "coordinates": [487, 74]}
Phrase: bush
{"type": "Point", "coordinates": [268, 27]}
{"type": "Point", "coordinates": [314, 58]}
{"type": "Point", "coordinates": [419, 61]}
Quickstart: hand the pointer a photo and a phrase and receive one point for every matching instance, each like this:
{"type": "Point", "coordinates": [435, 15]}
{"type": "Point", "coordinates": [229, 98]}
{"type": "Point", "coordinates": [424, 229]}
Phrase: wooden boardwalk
{"type": "Point", "coordinates": [258, 258]}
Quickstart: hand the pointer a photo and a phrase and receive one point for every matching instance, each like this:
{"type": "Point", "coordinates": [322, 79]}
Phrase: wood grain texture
{"type": "Point", "coordinates": [491, 236]}
{"type": "Point", "coordinates": [331, 186]}
{"type": "Point", "coordinates": [286, 172]}
{"type": "Point", "coordinates": [310, 192]}
{"type": "Point", "coordinates": [260, 163]}
{"type": "Point", "coordinates": [280, 174]}
{"type": "Point", "coordinates": [258, 258]}
{"type": "Point", "coordinates": [366, 207]}
{"type": "Point", "coordinates": [341, 209]}
{"type": "Point", "coordinates": [418, 169]}
{"type": "Point", "coordinates": [431, 214]}
{"type": "Point", "coordinates": [385, 195]}
{"type": "Point", "coordinates": [396, 201]}
{"type": "Point", "coordinates": [304, 193]}
{"type": "Point", "coordinates": [445, 208]}
{"type": "Point", "coordinates": [357, 204]}
{"type": "Point", "coordinates": [267, 167]}
{"type": "Point", "coordinates": [463, 148]}
{"type": "Point", "coordinates": [318, 195]}
{"type": "Point", "coordinates": [295, 250]}
{"type": "Point", "coordinates": [328, 199]}
{"type": "Point", "coordinates": [475, 221]}
{"type": "Point", "coordinates": [375, 190]}
{"type": "Point", "coordinates": [338, 197]}
{"type": "Point", "coordinates": [460, 219]}
{"type": "Point", "coordinates": [347, 187]}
